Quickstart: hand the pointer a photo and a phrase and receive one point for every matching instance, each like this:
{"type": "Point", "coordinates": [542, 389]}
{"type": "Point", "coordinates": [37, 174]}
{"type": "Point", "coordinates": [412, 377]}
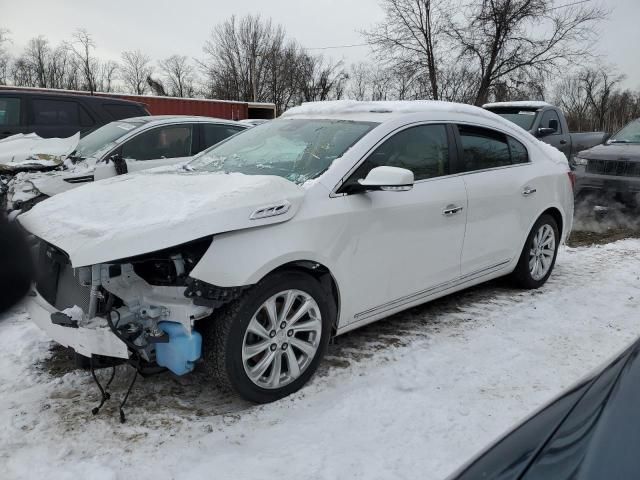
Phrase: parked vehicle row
{"type": "Point", "coordinates": [251, 256]}
{"type": "Point", "coordinates": [120, 147]}
{"type": "Point", "coordinates": [60, 115]}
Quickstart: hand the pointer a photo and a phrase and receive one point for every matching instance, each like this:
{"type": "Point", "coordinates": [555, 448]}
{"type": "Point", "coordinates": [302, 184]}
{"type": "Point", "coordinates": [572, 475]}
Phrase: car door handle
{"type": "Point", "coordinates": [528, 191]}
{"type": "Point", "coordinates": [563, 142]}
{"type": "Point", "coordinates": [451, 210]}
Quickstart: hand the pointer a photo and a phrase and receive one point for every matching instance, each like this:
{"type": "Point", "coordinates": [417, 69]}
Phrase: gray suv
{"type": "Point", "coordinates": [613, 168]}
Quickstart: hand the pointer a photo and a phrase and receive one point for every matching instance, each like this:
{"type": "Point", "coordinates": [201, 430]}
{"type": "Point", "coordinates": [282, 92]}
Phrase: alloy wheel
{"type": "Point", "coordinates": [542, 251]}
{"type": "Point", "coordinates": [281, 339]}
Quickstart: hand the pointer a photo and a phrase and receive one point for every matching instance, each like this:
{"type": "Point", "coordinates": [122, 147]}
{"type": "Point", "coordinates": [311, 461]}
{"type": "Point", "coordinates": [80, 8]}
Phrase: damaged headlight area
{"type": "Point", "coordinates": [169, 267]}
{"type": "Point", "coordinates": [139, 302]}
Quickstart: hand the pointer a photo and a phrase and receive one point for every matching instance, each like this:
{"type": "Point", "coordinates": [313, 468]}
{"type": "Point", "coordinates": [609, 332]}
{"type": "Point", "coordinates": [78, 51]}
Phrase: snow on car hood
{"type": "Point", "coordinates": [140, 213]}
{"type": "Point", "coordinates": [612, 151]}
{"type": "Point", "coordinates": [28, 152]}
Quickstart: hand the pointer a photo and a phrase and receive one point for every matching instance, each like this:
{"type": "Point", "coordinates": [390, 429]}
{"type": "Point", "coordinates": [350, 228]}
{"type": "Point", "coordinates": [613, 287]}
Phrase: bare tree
{"type": "Point", "coordinates": [107, 74]}
{"type": "Point", "coordinates": [243, 55]}
{"type": "Point", "coordinates": [37, 55]}
{"type": "Point", "coordinates": [599, 85]}
{"type": "Point", "coordinates": [410, 37]}
{"type": "Point", "coordinates": [250, 59]}
{"type": "Point", "coordinates": [136, 67]}
{"type": "Point", "coordinates": [571, 96]}
{"type": "Point", "coordinates": [320, 79]}
{"type": "Point", "coordinates": [179, 75]}
{"type": "Point", "coordinates": [4, 56]}
{"type": "Point", "coordinates": [82, 46]}
{"type": "Point", "coordinates": [503, 38]}
{"type": "Point", "coordinates": [359, 81]}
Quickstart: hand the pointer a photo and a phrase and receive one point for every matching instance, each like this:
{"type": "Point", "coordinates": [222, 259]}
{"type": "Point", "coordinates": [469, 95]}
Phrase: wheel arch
{"type": "Point", "coordinates": [556, 214]}
{"type": "Point", "coordinates": [321, 273]}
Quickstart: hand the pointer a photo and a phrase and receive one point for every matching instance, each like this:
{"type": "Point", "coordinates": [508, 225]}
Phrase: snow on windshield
{"type": "Point", "coordinates": [297, 150]}
{"type": "Point", "coordinates": [104, 136]}
{"type": "Point", "coordinates": [629, 134]}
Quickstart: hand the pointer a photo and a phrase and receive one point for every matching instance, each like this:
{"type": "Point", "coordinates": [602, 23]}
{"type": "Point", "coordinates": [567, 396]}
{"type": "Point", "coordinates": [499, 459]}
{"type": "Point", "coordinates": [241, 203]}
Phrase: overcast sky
{"type": "Point", "coordinates": [161, 28]}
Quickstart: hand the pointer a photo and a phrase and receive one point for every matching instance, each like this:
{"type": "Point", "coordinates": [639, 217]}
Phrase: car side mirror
{"type": "Point", "coordinates": [392, 179]}
{"type": "Point", "coordinates": [545, 131]}
{"type": "Point", "coordinates": [120, 164]}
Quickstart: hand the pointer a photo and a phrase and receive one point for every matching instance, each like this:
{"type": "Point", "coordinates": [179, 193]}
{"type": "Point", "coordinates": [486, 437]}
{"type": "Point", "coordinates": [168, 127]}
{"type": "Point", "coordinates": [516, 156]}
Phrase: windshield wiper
{"type": "Point", "coordinates": [619, 141]}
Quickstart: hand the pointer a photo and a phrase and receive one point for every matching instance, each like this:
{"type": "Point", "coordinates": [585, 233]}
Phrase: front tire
{"type": "Point", "coordinates": [268, 344]}
{"type": "Point", "coordinates": [538, 256]}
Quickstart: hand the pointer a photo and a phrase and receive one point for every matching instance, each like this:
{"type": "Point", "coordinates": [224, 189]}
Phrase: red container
{"type": "Point", "coordinates": [227, 109]}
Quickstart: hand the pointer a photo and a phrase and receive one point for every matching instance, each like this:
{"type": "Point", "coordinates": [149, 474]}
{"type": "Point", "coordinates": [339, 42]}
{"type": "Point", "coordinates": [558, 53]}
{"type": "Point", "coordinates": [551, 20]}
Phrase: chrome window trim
{"type": "Point", "coordinates": [334, 193]}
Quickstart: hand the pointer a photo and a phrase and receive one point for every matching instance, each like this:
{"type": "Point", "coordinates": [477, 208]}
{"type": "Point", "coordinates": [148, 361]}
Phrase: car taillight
{"type": "Point", "coordinates": [572, 179]}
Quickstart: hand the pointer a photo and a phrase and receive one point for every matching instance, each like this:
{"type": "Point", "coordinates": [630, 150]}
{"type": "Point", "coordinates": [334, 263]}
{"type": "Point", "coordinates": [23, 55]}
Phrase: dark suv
{"type": "Point", "coordinates": [52, 114]}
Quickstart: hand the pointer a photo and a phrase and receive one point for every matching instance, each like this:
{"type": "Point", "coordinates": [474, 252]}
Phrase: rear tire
{"type": "Point", "coordinates": [240, 339]}
{"type": "Point", "coordinates": [538, 256]}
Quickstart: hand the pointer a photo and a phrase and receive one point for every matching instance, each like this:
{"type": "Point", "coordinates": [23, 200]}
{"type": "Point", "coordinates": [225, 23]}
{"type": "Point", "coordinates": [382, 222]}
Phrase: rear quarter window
{"type": "Point", "coordinates": [519, 152]}
{"type": "Point", "coordinates": [215, 133]}
{"type": "Point", "coordinates": [119, 111]}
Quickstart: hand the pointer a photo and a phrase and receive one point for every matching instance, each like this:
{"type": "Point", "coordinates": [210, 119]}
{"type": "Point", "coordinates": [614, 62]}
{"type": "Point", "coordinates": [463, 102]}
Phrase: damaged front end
{"type": "Point", "coordinates": [132, 307]}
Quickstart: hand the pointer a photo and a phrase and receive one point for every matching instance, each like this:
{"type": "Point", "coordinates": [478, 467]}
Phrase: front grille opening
{"type": "Point", "coordinates": [619, 168]}
{"type": "Point", "coordinates": [57, 282]}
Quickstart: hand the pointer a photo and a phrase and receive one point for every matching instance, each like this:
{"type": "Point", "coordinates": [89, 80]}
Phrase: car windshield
{"type": "Point", "coordinates": [522, 118]}
{"type": "Point", "coordinates": [296, 149]}
{"type": "Point", "coordinates": [102, 137]}
{"type": "Point", "coordinates": [629, 134]}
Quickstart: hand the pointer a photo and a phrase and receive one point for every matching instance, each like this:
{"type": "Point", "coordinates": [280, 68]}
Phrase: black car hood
{"type": "Point", "coordinates": [591, 432]}
{"type": "Point", "coordinates": [614, 151]}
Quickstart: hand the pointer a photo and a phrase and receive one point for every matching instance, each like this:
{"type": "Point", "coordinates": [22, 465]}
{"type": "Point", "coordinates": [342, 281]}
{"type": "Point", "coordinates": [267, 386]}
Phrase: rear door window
{"type": "Point", "coordinates": [215, 133]}
{"type": "Point", "coordinates": [172, 141]}
{"type": "Point", "coordinates": [483, 148]}
{"type": "Point", "coordinates": [9, 111]}
{"type": "Point", "coordinates": [59, 112]}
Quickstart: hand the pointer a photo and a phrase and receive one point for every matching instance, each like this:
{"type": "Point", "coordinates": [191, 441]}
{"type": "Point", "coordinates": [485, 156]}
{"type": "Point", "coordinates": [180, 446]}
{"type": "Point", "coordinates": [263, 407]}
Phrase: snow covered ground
{"type": "Point", "coordinates": [413, 396]}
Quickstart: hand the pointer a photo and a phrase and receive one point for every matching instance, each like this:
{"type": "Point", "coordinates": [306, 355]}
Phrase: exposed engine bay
{"type": "Point", "coordinates": [141, 300]}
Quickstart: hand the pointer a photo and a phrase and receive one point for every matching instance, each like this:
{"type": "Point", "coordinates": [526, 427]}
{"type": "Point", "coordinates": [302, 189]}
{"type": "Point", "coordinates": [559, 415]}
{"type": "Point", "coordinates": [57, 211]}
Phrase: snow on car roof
{"type": "Point", "coordinates": [386, 110]}
{"type": "Point", "coordinates": [159, 119]}
{"type": "Point", "coordinates": [347, 107]}
{"type": "Point", "coordinates": [520, 104]}
{"type": "Point", "coordinates": [383, 110]}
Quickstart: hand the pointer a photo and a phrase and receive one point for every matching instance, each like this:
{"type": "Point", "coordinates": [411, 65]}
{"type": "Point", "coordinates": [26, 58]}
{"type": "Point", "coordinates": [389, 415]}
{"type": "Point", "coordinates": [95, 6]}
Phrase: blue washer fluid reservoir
{"type": "Point", "coordinates": [182, 350]}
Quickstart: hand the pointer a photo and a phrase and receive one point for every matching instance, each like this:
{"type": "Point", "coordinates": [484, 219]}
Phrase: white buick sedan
{"type": "Point", "coordinates": [249, 258]}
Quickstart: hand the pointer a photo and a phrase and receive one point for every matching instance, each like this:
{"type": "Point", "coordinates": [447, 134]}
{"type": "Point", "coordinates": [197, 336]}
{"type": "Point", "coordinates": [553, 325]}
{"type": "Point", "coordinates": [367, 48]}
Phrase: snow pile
{"type": "Point", "coordinates": [23, 152]}
{"type": "Point", "coordinates": [75, 313]}
{"type": "Point", "coordinates": [519, 104]}
{"type": "Point", "coordinates": [426, 389]}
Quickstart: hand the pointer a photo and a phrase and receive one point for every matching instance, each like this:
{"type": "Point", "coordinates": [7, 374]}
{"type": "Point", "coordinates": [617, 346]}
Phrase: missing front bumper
{"type": "Point", "coordinates": [85, 341]}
